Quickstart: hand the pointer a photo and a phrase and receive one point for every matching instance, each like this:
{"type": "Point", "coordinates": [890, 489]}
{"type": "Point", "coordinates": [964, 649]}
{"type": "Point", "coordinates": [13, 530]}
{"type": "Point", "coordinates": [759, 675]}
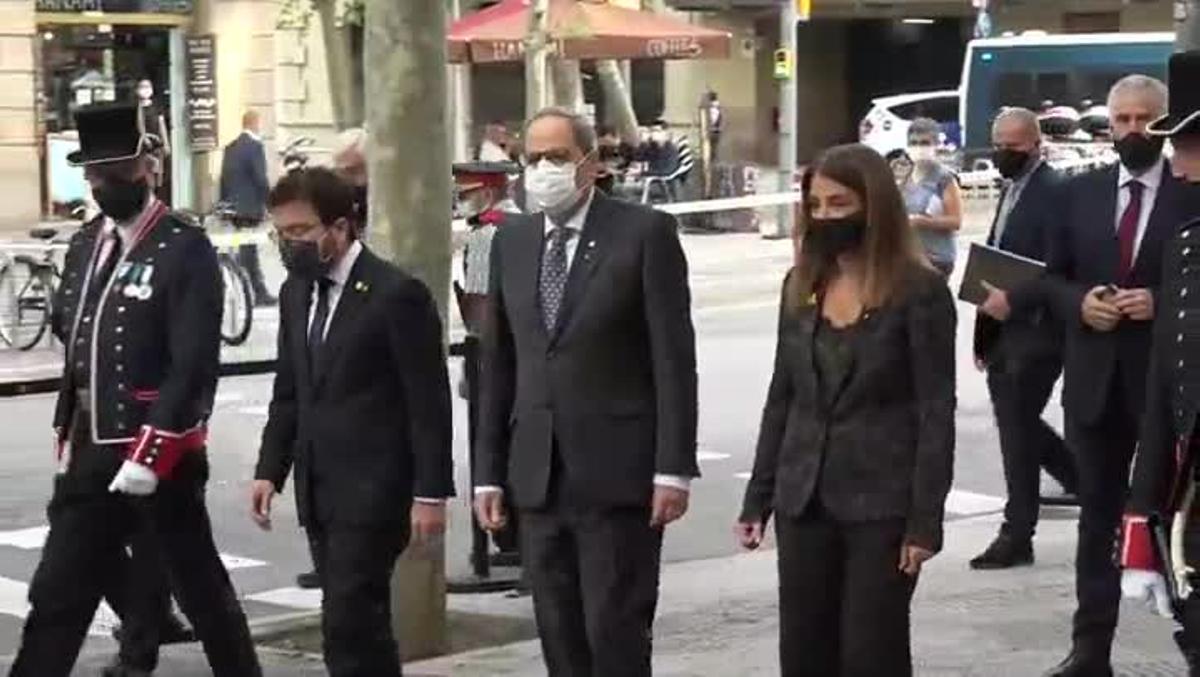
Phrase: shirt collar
{"type": "Point", "coordinates": [575, 223]}
{"type": "Point", "coordinates": [340, 273]}
{"type": "Point", "coordinates": [252, 135]}
{"type": "Point", "coordinates": [1150, 180]}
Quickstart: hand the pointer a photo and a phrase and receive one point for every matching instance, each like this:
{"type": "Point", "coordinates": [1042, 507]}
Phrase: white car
{"type": "Point", "coordinates": [885, 127]}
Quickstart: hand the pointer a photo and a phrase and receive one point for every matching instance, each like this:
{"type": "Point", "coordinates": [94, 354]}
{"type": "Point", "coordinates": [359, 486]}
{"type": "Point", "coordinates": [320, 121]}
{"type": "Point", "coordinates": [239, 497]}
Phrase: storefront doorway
{"type": "Point", "coordinates": [84, 63]}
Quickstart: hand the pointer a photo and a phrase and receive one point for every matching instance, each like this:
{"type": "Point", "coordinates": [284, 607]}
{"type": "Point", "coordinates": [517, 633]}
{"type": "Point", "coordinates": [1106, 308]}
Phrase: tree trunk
{"type": "Point", "coordinates": [537, 94]}
{"type": "Point", "coordinates": [344, 66]}
{"type": "Point", "coordinates": [1187, 24]}
{"type": "Point", "coordinates": [410, 225]}
{"type": "Point", "coordinates": [568, 85]}
{"type": "Point", "coordinates": [618, 102]}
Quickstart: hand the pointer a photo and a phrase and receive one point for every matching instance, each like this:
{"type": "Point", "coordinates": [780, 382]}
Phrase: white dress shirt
{"type": "Point", "coordinates": [339, 275]}
{"type": "Point", "coordinates": [575, 225]}
{"type": "Point", "coordinates": [1151, 180]}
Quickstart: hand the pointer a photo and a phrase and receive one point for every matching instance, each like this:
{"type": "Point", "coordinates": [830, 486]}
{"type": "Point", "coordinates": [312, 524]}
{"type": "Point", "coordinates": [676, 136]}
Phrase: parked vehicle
{"type": "Point", "coordinates": [885, 127]}
{"type": "Point", "coordinates": [1043, 72]}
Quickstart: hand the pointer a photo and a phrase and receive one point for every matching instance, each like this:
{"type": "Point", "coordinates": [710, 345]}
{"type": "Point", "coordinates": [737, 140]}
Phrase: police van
{"type": "Point", "coordinates": [1044, 72]}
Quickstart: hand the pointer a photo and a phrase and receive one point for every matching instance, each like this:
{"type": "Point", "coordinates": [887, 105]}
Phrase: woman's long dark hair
{"type": "Point", "coordinates": [890, 250]}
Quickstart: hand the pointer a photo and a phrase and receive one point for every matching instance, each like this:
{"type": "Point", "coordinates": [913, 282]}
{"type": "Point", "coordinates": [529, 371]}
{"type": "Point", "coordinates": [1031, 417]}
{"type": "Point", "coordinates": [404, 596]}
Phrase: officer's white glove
{"type": "Point", "coordinates": [1149, 587]}
{"type": "Point", "coordinates": [134, 479]}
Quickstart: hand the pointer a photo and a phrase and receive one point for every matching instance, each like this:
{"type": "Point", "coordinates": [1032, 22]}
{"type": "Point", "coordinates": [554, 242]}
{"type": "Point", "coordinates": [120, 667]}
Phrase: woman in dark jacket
{"type": "Point", "coordinates": [856, 449]}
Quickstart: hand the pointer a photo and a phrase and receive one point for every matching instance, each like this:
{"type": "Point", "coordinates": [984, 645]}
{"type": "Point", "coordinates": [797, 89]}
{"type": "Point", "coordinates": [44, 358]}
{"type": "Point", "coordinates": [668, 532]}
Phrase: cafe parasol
{"type": "Point", "coordinates": [582, 29]}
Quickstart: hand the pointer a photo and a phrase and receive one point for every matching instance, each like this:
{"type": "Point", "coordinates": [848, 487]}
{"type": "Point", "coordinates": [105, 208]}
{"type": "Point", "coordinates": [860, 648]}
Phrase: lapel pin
{"type": "Point", "coordinates": [361, 286]}
{"type": "Point", "coordinates": [812, 299]}
{"type": "Point", "coordinates": [591, 244]}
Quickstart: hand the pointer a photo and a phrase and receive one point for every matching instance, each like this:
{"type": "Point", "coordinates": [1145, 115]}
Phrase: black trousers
{"type": "Point", "coordinates": [355, 566]}
{"type": "Point", "coordinates": [138, 591]}
{"type": "Point", "coordinates": [1019, 392]}
{"type": "Point", "coordinates": [1104, 450]}
{"type": "Point", "coordinates": [843, 601]}
{"type": "Point", "coordinates": [594, 574]}
{"type": "Point", "coordinates": [88, 531]}
{"type": "Point", "coordinates": [248, 256]}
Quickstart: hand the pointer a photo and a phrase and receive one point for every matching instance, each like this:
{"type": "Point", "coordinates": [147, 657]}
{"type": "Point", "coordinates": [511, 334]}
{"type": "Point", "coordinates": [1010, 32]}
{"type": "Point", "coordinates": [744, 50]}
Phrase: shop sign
{"type": "Point", "coordinates": [202, 92]}
{"type": "Point", "coordinates": [121, 6]}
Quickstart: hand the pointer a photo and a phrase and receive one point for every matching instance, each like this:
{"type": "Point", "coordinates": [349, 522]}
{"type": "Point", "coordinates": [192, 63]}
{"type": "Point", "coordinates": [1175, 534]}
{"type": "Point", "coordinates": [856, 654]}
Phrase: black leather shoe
{"type": "Point", "coordinates": [1081, 665]}
{"type": "Point", "coordinates": [175, 631]}
{"type": "Point", "coordinates": [119, 669]}
{"type": "Point", "coordinates": [308, 581]}
{"type": "Point", "coordinates": [1004, 553]}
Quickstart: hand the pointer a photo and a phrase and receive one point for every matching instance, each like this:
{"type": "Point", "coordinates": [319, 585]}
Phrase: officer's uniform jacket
{"type": "Point", "coordinates": [144, 352]}
{"type": "Point", "coordinates": [1169, 435]}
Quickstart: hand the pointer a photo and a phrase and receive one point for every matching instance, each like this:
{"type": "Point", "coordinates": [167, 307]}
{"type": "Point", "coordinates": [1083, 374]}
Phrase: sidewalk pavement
{"type": "Point", "coordinates": [718, 618]}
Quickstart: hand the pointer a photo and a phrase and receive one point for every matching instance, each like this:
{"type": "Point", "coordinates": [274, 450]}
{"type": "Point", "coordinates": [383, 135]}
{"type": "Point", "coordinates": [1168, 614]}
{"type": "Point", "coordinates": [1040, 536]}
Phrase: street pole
{"type": "Point", "coordinates": [1187, 25]}
{"type": "Point", "coordinates": [788, 20]}
{"type": "Point", "coordinates": [460, 100]}
{"type": "Point", "coordinates": [409, 171]}
{"type": "Point", "coordinates": [537, 58]}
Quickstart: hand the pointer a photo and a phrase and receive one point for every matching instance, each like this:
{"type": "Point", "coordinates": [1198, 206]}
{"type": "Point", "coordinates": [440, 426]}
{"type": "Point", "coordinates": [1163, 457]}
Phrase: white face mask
{"type": "Point", "coordinates": [922, 153]}
{"type": "Point", "coordinates": [550, 187]}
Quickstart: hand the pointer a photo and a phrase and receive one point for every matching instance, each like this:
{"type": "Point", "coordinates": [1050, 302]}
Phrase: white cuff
{"type": "Point", "coordinates": [488, 489]}
{"type": "Point", "coordinates": [430, 501]}
{"type": "Point", "coordinates": [674, 482]}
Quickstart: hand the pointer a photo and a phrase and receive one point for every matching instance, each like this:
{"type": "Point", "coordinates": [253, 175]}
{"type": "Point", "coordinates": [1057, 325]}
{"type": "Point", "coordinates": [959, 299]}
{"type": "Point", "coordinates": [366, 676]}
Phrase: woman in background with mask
{"type": "Point", "coordinates": [932, 196]}
{"type": "Point", "coordinates": [855, 451]}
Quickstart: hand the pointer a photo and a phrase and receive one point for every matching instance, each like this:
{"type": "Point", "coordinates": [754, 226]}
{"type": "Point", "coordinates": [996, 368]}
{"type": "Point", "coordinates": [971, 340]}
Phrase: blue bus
{"type": "Point", "coordinates": [1034, 68]}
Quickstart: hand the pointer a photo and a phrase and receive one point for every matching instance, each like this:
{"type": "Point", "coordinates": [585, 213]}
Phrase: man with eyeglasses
{"type": "Point", "coordinates": [359, 415]}
{"type": "Point", "coordinates": [140, 307]}
{"type": "Point", "coordinates": [588, 401]}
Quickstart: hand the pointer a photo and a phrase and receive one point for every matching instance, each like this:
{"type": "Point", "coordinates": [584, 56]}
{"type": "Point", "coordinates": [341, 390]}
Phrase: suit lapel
{"type": "Point", "coordinates": [353, 299]}
{"type": "Point", "coordinates": [1105, 217]}
{"type": "Point", "coordinates": [298, 301]}
{"type": "Point", "coordinates": [523, 265]}
{"type": "Point", "coordinates": [1161, 224]}
{"type": "Point", "coordinates": [592, 247]}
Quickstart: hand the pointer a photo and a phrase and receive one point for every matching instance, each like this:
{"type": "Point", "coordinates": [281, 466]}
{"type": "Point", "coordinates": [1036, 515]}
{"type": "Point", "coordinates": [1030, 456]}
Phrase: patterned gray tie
{"type": "Point", "coordinates": [553, 283]}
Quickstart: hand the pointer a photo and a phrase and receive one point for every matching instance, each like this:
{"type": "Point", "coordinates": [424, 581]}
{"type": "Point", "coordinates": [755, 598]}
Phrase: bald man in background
{"type": "Point", "coordinates": [244, 187]}
{"type": "Point", "coordinates": [350, 162]}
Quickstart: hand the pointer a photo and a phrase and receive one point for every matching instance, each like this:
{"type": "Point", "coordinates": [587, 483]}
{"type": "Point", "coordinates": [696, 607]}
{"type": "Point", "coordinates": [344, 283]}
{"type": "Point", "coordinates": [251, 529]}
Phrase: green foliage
{"type": "Point", "coordinates": [298, 14]}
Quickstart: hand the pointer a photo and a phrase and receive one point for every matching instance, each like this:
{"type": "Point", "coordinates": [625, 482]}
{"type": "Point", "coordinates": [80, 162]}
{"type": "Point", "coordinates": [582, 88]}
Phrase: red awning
{"type": "Point", "coordinates": [582, 29]}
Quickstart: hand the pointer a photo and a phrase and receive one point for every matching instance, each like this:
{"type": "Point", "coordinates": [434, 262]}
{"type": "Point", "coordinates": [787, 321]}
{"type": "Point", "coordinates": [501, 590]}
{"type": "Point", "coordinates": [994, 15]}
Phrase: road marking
{"type": "Point", "coordinates": [226, 396]}
{"type": "Point", "coordinates": [711, 456]}
{"type": "Point", "coordinates": [262, 410]}
{"type": "Point", "coordinates": [970, 503]}
{"type": "Point", "coordinates": [293, 597]}
{"type": "Point", "coordinates": [32, 538]}
{"type": "Point", "coordinates": [742, 476]}
{"type": "Point", "coordinates": [14, 601]}
{"type": "Point", "coordinates": [233, 562]}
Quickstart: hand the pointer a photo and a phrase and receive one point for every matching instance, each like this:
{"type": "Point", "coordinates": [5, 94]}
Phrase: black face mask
{"type": "Point", "coordinates": [122, 199]}
{"type": "Point", "coordinates": [302, 258]}
{"type": "Point", "coordinates": [1010, 163]}
{"type": "Point", "coordinates": [828, 239]}
{"type": "Point", "coordinates": [1139, 152]}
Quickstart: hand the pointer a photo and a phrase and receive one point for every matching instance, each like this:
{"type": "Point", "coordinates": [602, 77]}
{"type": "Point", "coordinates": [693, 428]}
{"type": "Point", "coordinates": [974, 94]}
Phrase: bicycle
{"type": "Point", "coordinates": [292, 156]}
{"type": "Point", "coordinates": [237, 317]}
{"type": "Point", "coordinates": [28, 284]}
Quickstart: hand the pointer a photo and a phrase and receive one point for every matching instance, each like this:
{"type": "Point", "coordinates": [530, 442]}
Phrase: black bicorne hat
{"type": "Point", "coordinates": [108, 132]}
{"type": "Point", "coordinates": [1183, 80]}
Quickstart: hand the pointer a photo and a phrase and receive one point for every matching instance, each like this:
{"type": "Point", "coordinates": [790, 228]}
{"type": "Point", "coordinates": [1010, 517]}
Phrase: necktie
{"type": "Point", "coordinates": [553, 283]}
{"type": "Point", "coordinates": [316, 330]}
{"type": "Point", "coordinates": [1127, 231]}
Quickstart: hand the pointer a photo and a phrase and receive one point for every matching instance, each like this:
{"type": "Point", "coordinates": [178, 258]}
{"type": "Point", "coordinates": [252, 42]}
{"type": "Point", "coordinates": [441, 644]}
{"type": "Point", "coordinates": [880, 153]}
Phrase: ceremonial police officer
{"type": "Point", "coordinates": [141, 298]}
{"type": "Point", "coordinates": [1165, 472]}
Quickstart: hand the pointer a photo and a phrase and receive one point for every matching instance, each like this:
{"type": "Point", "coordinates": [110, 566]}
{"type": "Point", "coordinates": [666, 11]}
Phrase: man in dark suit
{"type": "Point", "coordinates": [1019, 343]}
{"type": "Point", "coordinates": [1103, 275]}
{"type": "Point", "coordinates": [244, 186]}
{"type": "Point", "coordinates": [360, 409]}
{"type": "Point", "coordinates": [589, 402]}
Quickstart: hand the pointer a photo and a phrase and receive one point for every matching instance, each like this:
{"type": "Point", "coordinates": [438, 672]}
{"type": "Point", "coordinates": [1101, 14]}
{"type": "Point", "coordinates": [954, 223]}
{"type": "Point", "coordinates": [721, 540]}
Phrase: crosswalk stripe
{"type": "Point", "coordinates": [711, 456]}
{"type": "Point", "coordinates": [32, 538]}
{"type": "Point", "coordinates": [961, 502]}
{"type": "Point", "coordinates": [293, 597]}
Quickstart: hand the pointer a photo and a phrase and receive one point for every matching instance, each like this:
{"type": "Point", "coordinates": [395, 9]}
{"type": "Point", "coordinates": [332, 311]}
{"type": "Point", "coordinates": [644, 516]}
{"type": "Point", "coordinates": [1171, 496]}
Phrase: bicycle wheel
{"type": "Point", "coordinates": [24, 304]}
{"type": "Point", "coordinates": [238, 303]}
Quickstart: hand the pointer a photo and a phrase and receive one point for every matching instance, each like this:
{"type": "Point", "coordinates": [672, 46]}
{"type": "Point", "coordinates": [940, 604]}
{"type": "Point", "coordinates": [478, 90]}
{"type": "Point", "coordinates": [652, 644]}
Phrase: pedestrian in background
{"type": "Point", "coordinates": [1103, 274]}
{"type": "Point", "coordinates": [1018, 341]}
{"type": "Point", "coordinates": [360, 411]}
{"type": "Point", "coordinates": [496, 145]}
{"type": "Point", "coordinates": [932, 196]}
{"type": "Point", "coordinates": [244, 187]}
{"type": "Point", "coordinates": [856, 447]}
{"type": "Point", "coordinates": [589, 402]}
{"type": "Point", "coordinates": [350, 163]}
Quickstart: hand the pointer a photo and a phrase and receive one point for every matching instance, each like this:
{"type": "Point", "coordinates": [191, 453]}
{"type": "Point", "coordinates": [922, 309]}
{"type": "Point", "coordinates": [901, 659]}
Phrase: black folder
{"type": "Point", "coordinates": [1001, 269]}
